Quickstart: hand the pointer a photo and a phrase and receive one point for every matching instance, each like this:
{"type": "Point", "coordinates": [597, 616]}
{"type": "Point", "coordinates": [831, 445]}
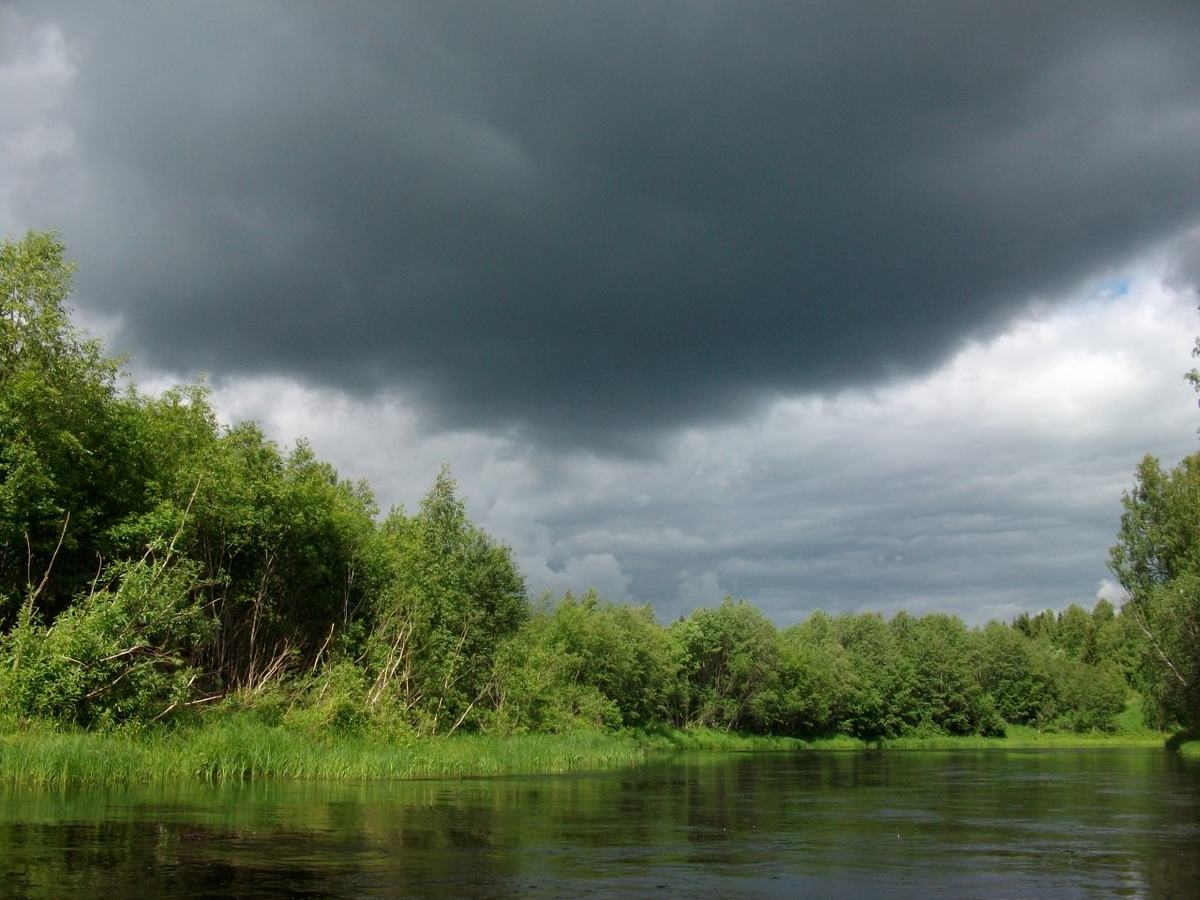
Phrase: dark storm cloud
{"type": "Point", "coordinates": [605, 218]}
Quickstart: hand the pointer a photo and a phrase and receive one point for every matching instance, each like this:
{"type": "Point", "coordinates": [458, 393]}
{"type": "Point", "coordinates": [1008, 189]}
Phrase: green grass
{"type": "Point", "coordinates": [1021, 737]}
{"type": "Point", "coordinates": [698, 738]}
{"type": "Point", "coordinates": [1018, 737]}
{"type": "Point", "coordinates": [241, 746]}
{"type": "Point", "coordinates": [237, 749]}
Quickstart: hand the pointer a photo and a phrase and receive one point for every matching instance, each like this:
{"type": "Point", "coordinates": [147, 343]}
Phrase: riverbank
{"type": "Point", "coordinates": [1017, 738]}
{"type": "Point", "coordinates": [236, 749]}
{"type": "Point", "coordinates": [246, 750]}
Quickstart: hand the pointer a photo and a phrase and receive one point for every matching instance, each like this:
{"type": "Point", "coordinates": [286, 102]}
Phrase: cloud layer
{"type": "Point", "coordinates": [989, 487]}
{"type": "Point", "coordinates": [596, 224]}
{"type": "Point", "coordinates": [830, 305]}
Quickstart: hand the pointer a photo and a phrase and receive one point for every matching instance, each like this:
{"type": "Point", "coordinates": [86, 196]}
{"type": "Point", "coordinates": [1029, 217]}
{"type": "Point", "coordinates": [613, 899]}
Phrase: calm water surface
{"type": "Point", "coordinates": [1023, 824]}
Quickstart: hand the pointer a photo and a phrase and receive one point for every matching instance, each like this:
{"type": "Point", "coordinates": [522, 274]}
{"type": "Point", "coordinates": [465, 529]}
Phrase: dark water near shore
{"type": "Point", "coordinates": [1020, 824]}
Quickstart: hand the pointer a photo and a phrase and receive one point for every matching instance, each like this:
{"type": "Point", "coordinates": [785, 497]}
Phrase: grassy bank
{"type": "Point", "coordinates": [246, 750]}
{"type": "Point", "coordinates": [1022, 738]}
{"type": "Point", "coordinates": [1017, 738]}
{"type": "Point", "coordinates": [241, 748]}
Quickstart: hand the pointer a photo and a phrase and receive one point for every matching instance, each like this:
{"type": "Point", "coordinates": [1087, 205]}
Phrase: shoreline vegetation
{"type": "Point", "coordinates": [240, 748]}
{"type": "Point", "coordinates": [183, 599]}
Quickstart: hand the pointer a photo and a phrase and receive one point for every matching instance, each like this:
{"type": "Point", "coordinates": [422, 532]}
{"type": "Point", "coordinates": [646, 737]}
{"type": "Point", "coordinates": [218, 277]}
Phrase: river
{"type": "Point", "coordinates": [878, 824]}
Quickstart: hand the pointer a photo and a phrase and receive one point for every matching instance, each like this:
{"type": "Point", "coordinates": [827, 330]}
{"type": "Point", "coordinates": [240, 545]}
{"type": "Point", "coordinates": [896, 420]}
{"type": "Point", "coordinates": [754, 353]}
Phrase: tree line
{"type": "Point", "coordinates": [155, 563]}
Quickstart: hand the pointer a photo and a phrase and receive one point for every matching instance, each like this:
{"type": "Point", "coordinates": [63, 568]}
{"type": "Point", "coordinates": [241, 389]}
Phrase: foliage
{"type": "Point", "coordinates": [878, 701]}
{"type": "Point", "coordinates": [588, 662]}
{"type": "Point", "coordinates": [538, 688]}
{"type": "Point", "coordinates": [819, 681]}
{"type": "Point", "coordinates": [947, 692]}
{"type": "Point", "coordinates": [281, 543]}
{"type": "Point", "coordinates": [1157, 561]}
{"type": "Point", "coordinates": [1012, 671]}
{"type": "Point", "coordinates": [730, 666]}
{"type": "Point", "coordinates": [620, 651]}
{"type": "Point", "coordinates": [117, 657]}
{"type": "Point", "coordinates": [1090, 697]}
{"type": "Point", "coordinates": [67, 472]}
{"type": "Point", "coordinates": [452, 596]}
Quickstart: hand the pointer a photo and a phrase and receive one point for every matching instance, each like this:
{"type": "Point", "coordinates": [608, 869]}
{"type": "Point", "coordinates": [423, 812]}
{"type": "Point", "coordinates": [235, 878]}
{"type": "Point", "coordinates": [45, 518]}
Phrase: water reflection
{"type": "Point", "coordinates": [891, 824]}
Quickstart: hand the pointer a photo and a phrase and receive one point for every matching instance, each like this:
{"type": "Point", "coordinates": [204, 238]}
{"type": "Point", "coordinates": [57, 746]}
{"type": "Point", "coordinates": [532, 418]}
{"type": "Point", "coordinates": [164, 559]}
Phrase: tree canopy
{"type": "Point", "coordinates": [1157, 561]}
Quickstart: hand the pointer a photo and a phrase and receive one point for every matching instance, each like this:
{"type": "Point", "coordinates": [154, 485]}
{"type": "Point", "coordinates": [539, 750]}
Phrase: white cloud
{"type": "Point", "coordinates": [1109, 590]}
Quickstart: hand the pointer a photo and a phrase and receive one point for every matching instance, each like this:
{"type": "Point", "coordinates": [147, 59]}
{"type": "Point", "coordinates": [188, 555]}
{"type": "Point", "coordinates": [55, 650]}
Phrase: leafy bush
{"type": "Point", "coordinates": [537, 686]}
{"type": "Point", "coordinates": [334, 703]}
{"type": "Point", "coordinates": [1091, 697]}
{"type": "Point", "coordinates": [118, 656]}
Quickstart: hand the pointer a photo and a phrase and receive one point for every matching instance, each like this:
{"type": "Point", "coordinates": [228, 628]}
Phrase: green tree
{"type": "Point", "coordinates": [121, 655]}
{"type": "Point", "coordinates": [730, 666]}
{"type": "Point", "coordinates": [946, 690]}
{"type": "Point", "coordinates": [1157, 561]}
{"type": "Point", "coordinates": [1117, 639]}
{"type": "Point", "coordinates": [69, 466]}
{"type": "Point", "coordinates": [453, 597]}
{"type": "Point", "coordinates": [620, 650]}
{"type": "Point", "coordinates": [1090, 697]}
{"type": "Point", "coordinates": [1075, 633]}
{"type": "Point", "coordinates": [1044, 625]}
{"type": "Point", "coordinates": [820, 686]}
{"type": "Point", "coordinates": [282, 545]}
{"type": "Point", "coordinates": [587, 663]}
{"type": "Point", "coordinates": [879, 702]}
{"type": "Point", "coordinates": [1013, 672]}
{"type": "Point", "coordinates": [537, 688]}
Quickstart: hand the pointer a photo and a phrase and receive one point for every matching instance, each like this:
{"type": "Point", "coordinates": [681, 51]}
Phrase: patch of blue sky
{"type": "Point", "coordinates": [1111, 289]}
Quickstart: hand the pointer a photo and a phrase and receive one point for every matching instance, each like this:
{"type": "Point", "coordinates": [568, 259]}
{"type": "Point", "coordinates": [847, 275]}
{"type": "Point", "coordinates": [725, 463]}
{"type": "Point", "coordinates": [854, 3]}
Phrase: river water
{"type": "Point", "coordinates": [989, 824]}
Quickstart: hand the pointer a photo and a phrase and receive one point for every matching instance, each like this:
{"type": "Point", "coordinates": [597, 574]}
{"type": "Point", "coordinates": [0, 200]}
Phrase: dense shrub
{"type": "Point", "coordinates": [119, 656]}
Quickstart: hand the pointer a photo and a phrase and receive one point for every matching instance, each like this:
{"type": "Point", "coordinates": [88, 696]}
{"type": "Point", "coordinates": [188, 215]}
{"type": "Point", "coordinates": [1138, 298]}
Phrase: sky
{"type": "Point", "coordinates": [853, 306]}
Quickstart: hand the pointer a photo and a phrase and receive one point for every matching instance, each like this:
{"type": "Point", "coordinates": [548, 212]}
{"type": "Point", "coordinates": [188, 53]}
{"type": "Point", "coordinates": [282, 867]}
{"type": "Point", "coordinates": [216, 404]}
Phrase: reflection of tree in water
{"type": "Point", "coordinates": [44, 860]}
{"type": "Point", "coordinates": [1170, 867]}
{"type": "Point", "coordinates": [432, 851]}
{"type": "Point", "coordinates": [143, 859]}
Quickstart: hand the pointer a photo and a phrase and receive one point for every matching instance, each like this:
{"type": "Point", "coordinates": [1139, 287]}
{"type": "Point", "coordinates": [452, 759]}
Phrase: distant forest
{"type": "Point", "coordinates": [156, 564]}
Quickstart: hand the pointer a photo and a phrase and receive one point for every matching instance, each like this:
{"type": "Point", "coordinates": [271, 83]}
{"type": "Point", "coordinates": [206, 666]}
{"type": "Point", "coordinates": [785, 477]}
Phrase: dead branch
{"type": "Point", "coordinates": [1145, 629]}
{"type": "Point", "coordinates": [37, 592]}
{"type": "Point", "coordinates": [321, 652]}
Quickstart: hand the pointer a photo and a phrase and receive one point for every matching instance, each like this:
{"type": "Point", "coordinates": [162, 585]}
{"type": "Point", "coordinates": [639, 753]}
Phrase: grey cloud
{"type": "Point", "coordinates": [1183, 267]}
{"type": "Point", "coordinates": [593, 222]}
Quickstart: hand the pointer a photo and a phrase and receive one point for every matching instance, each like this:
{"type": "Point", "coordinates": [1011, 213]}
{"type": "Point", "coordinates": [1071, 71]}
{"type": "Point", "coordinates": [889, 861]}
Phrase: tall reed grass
{"type": "Point", "coordinates": [235, 749]}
